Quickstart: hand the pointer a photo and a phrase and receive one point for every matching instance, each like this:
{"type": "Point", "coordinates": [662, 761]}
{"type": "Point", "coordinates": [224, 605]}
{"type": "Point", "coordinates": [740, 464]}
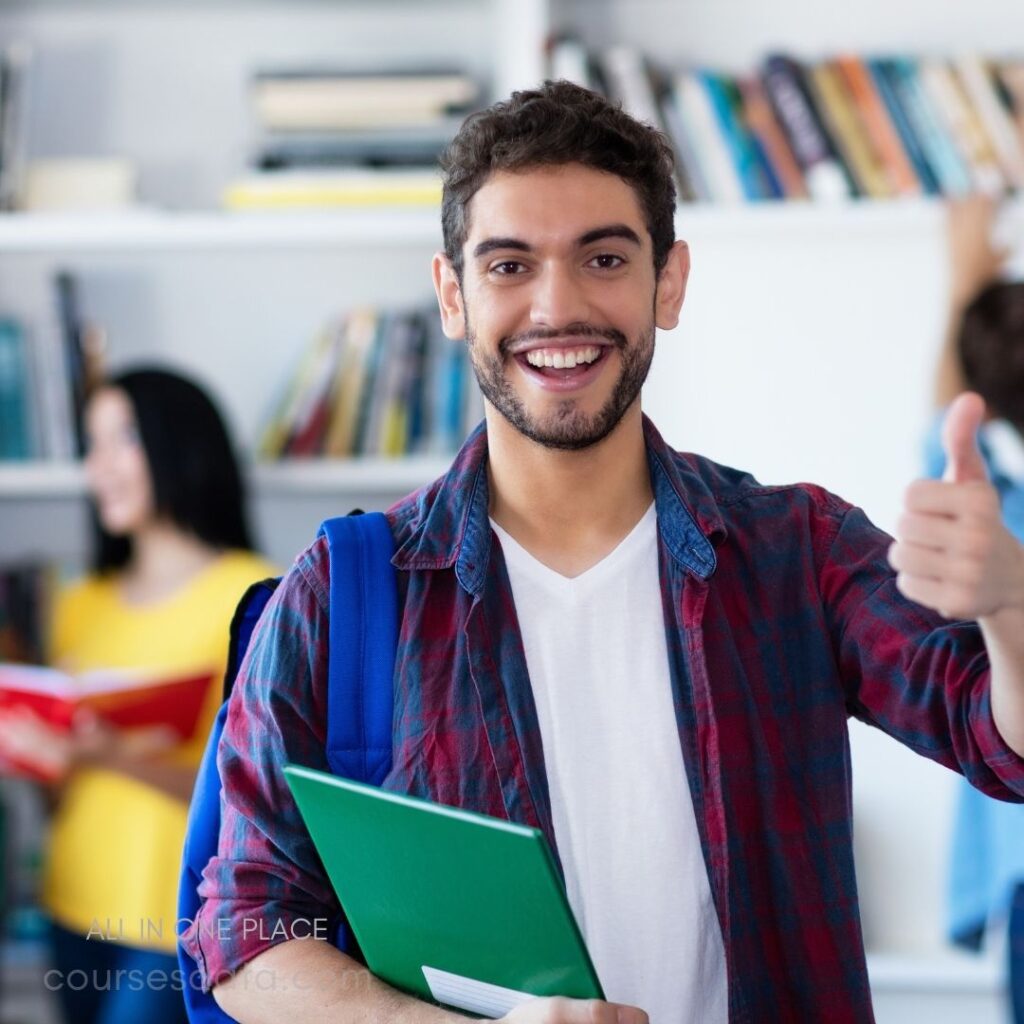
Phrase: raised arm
{"type": "Point", "coordinates": [974, 262]}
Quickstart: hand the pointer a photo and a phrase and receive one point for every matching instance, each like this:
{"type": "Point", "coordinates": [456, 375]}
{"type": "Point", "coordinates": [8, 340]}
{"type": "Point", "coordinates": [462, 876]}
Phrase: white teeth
{"type": "Point", "coordinates": [562, 358]}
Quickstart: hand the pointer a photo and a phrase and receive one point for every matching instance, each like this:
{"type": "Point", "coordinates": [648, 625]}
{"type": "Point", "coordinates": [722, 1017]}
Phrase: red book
{"type": "Point", "coordinates": [124, 700]}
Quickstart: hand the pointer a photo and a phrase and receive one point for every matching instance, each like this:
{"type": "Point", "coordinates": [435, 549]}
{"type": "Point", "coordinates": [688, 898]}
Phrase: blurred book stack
{"type": "Point", "coordinates": [851, 126]}
{"type": "Point", "coordinates": [341, 138]}
{"type": "Point", "coordinates": [45, 372]}
{"type": "Point", "coordinates": [376, 383]}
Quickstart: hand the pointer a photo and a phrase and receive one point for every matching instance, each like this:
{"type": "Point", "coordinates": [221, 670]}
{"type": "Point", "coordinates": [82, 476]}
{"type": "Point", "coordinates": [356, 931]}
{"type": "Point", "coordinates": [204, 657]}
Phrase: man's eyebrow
{"type": "Point", "coordinates": [610, 231]}
{"type": "Point", "coordinates": [623, 231]}
{"type": "Point", "coordinates": [490, 244]}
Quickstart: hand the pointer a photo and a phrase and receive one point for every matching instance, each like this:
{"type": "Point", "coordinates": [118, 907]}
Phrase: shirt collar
{"type": "Point", "coordinates": [450, 525]}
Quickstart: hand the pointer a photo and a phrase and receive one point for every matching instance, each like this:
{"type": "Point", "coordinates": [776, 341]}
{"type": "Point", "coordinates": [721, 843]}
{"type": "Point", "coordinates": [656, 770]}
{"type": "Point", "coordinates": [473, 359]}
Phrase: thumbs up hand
{"type": "Point", "coordinates": [952, 552]}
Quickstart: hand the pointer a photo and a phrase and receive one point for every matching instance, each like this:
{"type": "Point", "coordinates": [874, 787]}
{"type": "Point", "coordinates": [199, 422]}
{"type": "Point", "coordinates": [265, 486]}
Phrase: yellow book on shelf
{"type": "Point", "coordinates": [847, 130]}
{"type": "Point", "coordinates": [280, 190]}
{"type": "Point", "coordinates": [360, 337]}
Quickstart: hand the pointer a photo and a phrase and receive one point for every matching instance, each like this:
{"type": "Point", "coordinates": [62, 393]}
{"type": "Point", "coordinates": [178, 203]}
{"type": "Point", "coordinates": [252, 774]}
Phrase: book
{"type": "Point", "coordinates": [451, 906]}
{"type": "Point", "coordinates": [124, 700]}
{"type": "Point", "coordinates": [764, 127]}
{"type": "Point", "coordinates": [950, 170]}
{"type": "Point", "coordinates": [963, 127]}
{"type": "Point", "coordinates": [312, 416]}
{"type": "Point", "coordinates": [324, 99]}
{"type": "Point", "coordinates": [289, 190]}
{"type": "Point", "coordinates": [982, 88]}
{"type": "Point", "coordinates": [720, 173]}
{"type": "Point", "coordinates": [369, 148]}
{"type": "Point", "coordinates": [354, 384]}
{"type": "Point", "coordinates": [15, 422]}
{"type": "Point", "coordinates": [878, 124]}
{"type": "Point", "coordinates": [691, 172]}
{"type": "Point", "coordinates": [725, 103]}
{"type": "Point", "coordinates": [848, 133]}
{"type": "Point", "coordinates": [883, 78]}
{"type": "Point", "coordinates": [631, 81]}
{"type": "Point", "coordinates": [72, 333]}
{"type": "Point", "coordinates": [825, 178]}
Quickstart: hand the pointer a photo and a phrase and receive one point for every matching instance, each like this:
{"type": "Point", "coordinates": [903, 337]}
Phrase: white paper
{"type": "Point", "coordinates": [474, 996]}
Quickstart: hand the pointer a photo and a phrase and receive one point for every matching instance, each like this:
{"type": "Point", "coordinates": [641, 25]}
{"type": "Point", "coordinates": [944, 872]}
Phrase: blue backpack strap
{"type": "Point", "coordinates": [363, 639]}
{"type": "Point", "coordinates": [203, 829]}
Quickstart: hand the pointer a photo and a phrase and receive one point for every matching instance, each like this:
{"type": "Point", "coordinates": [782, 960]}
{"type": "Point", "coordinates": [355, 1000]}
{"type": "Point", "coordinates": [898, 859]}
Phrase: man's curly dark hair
{"type": "Point", "coordinates": [559, 123]}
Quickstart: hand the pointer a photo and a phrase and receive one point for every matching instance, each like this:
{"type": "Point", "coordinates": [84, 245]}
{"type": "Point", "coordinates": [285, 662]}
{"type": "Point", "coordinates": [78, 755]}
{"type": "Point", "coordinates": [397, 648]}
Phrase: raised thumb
{"type": "Point", "coordinates": [964, 461]}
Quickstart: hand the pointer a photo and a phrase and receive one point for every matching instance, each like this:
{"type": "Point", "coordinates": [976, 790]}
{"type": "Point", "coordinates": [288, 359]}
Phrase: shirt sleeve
{"type": "Point", "coordinates": [906, 669]}
{"type": "Point", "coordinates": [266, 883]}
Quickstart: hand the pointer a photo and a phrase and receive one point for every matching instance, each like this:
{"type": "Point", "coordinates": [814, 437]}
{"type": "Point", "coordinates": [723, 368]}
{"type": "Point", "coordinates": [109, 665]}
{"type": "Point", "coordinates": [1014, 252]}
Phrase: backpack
{"type": "Point", "coordinates": [360, 698]}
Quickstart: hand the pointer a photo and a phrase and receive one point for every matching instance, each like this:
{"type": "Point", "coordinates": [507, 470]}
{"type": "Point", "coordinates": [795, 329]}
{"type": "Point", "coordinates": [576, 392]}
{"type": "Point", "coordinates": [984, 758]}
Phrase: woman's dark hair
{"type": "Point", "coordinates": [991, 347]}
{"type": "Point", "coordinates": [197, 483]}
{"type": "Point", "coordinates": [559, 123]}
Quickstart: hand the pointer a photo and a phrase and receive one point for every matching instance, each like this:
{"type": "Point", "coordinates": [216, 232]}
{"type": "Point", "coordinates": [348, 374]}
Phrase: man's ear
{"type": "Point", "coordinates": [449, 297]}
{"type": "Point", "coordinates": [671, 287]}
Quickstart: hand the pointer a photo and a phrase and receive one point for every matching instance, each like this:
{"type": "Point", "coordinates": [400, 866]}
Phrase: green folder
{"type": "Point", "coordinates": [459, 908]}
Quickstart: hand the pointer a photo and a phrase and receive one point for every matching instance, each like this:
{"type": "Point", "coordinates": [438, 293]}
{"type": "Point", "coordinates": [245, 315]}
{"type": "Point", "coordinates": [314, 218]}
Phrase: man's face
{"type": "Point", "coordinates": [558, 301]}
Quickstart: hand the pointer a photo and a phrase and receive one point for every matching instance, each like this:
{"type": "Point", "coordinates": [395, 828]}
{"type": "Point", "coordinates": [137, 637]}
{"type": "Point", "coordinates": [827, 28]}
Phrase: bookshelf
{"type": "Point", "coordinates": [797, 314]}
{"type": "Point", "coordinates": [239, 233]}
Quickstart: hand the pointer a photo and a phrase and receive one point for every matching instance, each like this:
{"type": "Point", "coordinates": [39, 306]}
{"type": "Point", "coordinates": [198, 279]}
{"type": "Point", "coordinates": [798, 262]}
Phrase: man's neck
{"type": "Point", "coordinates": [569, 509]}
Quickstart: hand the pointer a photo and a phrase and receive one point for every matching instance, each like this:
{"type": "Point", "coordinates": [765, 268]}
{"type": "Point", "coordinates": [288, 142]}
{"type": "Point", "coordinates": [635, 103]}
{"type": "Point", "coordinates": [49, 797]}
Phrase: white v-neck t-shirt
{"type": "Point", "coordinates": [623, 815]}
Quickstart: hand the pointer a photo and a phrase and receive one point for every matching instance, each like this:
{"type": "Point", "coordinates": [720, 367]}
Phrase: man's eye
{"type": "Point", "coordinates": [607, 261]}
{"type": "Point", "coordinates": [507, 267]}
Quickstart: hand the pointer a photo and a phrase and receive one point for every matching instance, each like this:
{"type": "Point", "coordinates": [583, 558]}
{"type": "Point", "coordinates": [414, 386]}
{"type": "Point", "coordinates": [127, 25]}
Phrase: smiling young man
{"type": "Point", "coordinates": [649, 656]}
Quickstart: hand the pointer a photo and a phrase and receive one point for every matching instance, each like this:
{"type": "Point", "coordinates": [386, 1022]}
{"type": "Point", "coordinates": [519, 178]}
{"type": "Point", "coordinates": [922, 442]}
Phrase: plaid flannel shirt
{"type": "Point", "coordinates": [782, 619]}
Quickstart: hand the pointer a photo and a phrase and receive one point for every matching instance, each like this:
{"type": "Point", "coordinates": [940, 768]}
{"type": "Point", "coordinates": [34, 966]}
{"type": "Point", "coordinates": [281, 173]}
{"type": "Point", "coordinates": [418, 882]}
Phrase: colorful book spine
{"type": "Point", "coordinates": [826, 180]}
{"type": "Point", "coordinates": [722, 178]}
{"type": "Point", "coordinates": [981, 86]}
{"type": "Point", "coordinates": [875, 116]}
{"type": "Point", "coordinates": [15, 424]}
{"type": "Point", "coordinates": [848, 134]}
{"type": "Point", "coordinates": [765, 129]}
{"type": "Point", "coordinates": [882, 75]}
{"type": "Point", "coordinates": [725, 104]}
{"type": "Point", "coordinates": [950, 170]}
{"type": "Point", "coordinates": [963, 127]}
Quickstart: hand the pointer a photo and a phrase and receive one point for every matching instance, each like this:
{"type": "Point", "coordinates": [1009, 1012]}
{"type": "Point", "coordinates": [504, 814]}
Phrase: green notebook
{"type": "Point", "coordinates": [460, 908]}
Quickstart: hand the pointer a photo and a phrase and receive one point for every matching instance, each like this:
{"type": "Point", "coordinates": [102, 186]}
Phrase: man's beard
{"type": "Point", "coordinates": [565, 427]}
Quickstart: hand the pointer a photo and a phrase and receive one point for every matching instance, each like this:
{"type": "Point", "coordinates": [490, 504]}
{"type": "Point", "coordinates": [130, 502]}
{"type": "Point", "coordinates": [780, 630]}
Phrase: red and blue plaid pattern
{"type": "Point", "coordinates": [782, 619]}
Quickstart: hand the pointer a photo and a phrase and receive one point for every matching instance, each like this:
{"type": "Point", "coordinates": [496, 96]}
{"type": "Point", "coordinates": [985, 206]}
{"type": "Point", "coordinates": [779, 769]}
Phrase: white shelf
{"type": "Point", "coordinates": [142, 231]}
{"type": "Point", "coordinates": [157, 231]}
{"type": "Point", "coordinates": [399, 476]}
{"type": "Point", "coordinates": [41, 480]}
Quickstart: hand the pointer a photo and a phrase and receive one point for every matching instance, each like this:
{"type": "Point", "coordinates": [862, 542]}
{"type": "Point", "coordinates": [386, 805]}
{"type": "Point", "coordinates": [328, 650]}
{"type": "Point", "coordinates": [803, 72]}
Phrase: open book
{"type": "Point", "coordinates": [125, 700]}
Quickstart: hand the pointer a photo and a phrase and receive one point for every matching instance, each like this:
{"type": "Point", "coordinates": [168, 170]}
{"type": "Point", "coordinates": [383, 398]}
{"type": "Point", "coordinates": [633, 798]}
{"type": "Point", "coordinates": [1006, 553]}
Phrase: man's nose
{"type": "Point", "coordinates": [558, 298]}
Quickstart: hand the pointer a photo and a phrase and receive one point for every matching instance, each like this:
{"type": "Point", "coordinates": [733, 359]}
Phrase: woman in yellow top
{"type": "Point", "coordinates": [173, 556]}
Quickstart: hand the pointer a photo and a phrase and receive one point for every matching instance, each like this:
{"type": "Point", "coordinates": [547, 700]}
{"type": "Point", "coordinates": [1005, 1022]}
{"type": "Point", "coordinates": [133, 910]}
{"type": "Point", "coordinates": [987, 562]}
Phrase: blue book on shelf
{"type": "Point", "coordinates": [15, 429]}
{"type": "Point", "coordinates": [953, 176]}
{"type": "Point", "coordinates": [880, 74]}
{"type": "Point", "coordinates": [741, 148]}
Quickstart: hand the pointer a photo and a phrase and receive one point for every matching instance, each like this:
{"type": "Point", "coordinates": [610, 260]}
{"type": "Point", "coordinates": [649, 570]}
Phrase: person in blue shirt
{"type": "Point", "coordinates": [983, 351]}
